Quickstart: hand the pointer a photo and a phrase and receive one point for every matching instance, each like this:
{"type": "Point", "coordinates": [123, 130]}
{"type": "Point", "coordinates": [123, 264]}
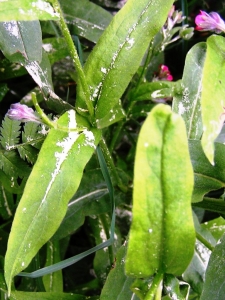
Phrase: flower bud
{"type": "Point", "coordinates": [23, 113]}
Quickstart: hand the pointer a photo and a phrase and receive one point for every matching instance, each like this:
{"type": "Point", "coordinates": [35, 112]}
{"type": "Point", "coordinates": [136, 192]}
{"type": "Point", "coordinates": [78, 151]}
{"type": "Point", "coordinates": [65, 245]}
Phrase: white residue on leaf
{"type": "Point", "coordinates": [44, 6]}
{"type": "Point", "coordinates": [12, 28]}
{"type": "Point", "coordinates": [23, 264]}
{"type": "Point", "coordinates": [24, 209]}
{"type": "Point", "coordinates": [130, 43]}
{"type": "Point", "coordinates": [103, 70]}
{"type": "Point", "coordinates": [146, 144]}
{"type": "Point", "coordinates": [66, 145]}
{"type": "Point", "coordinates": [185, 96]}
{"type": "Point", "coordinates": [38, 74]}
{"type": "Point", "coordinates": [43, 130]}
{"type": "Point", "coordinates": [48, 47]}
{"type": "Point", "coordinates": [156, 94]}
{"type": "Point", "coordinates": [181, 109]}
{"type": "Point", "coordinates": [96, 91]}
{"type": "Point", "coordinates": [89, 138]}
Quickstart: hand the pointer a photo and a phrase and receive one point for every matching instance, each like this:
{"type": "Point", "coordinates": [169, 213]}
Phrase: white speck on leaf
{"type": "Point", "coordinates": [103, 70]}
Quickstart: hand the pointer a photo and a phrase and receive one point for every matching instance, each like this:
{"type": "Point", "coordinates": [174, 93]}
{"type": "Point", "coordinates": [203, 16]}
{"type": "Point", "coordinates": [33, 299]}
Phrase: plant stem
{"type": "Point", "coordinates": [110, 163]}
{"type": "Point", "coordinates": [204, 242]}
{"type": "Point", "coordinates": [48, 122]}
{"type": "Point", "coordinates": [154, 287]}
{"type": "Point", "coordinates": [75, 57]}
{"type": "Point", "coordinates": [106, 229]}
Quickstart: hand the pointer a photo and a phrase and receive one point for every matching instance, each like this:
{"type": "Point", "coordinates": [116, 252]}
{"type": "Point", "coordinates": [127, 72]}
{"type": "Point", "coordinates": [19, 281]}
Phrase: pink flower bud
{"type": "Point", "coordinates": [164, 73]}
{"type": "Point", "coordinates": [209, 22]}
{"type": "Point", "coordinates": [23, 113]}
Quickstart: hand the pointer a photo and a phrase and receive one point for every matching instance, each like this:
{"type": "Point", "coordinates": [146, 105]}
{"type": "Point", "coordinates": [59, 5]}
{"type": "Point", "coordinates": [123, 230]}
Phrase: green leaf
{"type": "Point", "coordinates": [56, 48]}
{"type": "Point", "coordinates": [53, 282]}
{"type": "Point", "coordinates": [10, 132]}
{"type": "Point", "coordinates": [54, 179]}
{"type": "Point", "coordinates": [195, 272]}
{"type": "Point", "coordinates": [118, 280]}
{"type": "Point", "coordinates": [207, 177]}
{"type": "Point", "coordinates": [216, 226]}
{"type": "Point", "coordinates": [26, 10]}
{"type": "Point", "coordinates": [20, 41]}
{"type": "Point", "coordinates": [16, 295]}
{"type": "Point", "coordinates": [214, 287]}
{"type": "Point", "coordinates": [163, 187]}
{"type": "Point", "coordinates": [187, 102]}
{"type": "Point", "coordinates": [13, 166]}
{"type": "Point", "coordinates": [119, 51]}
{"type": "Point", "coordinates": [213, 90]}
{"type": "Point", "coordinates": [88, 200]}
{"type": "Point", "coordinates": [176, 289]}
{"type": "Point", "coordinates": [42, 75]}
{"type": "Point", "coordinates": [85, 18]}
{"type": "Point", "coordinates": [114, 115]}
{"type": "Point", "coordinates": [154, 90]}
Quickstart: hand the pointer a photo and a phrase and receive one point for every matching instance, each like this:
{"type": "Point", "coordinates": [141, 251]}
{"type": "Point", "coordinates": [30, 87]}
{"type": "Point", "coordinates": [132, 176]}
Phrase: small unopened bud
{"type": "Point", "coordinates": [23, 113]}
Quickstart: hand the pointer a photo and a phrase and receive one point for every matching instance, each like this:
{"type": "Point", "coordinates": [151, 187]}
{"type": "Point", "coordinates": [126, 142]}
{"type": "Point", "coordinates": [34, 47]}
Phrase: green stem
{"type": "Point", "coordinates": [110, 163]}
{"type": "Point", "coordinates": [48, 122]}
{"type": "Point", "coordinates": [154, 287]}
{"type": "Point", "coordinates": [43, 116]}
{"type": "Point", "coordinates": [204, 242]}
{"type": "Point", "coordinates": [106, 229]}
{"type": "Point", "coordinates": [75, 57]}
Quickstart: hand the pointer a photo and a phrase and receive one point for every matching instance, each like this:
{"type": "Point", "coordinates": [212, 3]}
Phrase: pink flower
{"type": "Point", "coordinates": [164, 73]}
{"type": "Point", "coordinates": [211, 22]}
{"type": "Point", "coordinates": [23, 113]}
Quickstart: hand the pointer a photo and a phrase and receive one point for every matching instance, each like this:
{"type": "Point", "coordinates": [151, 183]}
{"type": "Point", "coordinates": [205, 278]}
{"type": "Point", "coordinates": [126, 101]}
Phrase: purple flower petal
{"type": "Point", "coordinates": [23, 113]}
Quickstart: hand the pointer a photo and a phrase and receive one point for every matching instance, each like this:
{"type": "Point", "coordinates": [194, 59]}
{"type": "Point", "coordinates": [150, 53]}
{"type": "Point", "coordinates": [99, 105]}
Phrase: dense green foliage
{"type": "Point", "coordinates": [111, 168]}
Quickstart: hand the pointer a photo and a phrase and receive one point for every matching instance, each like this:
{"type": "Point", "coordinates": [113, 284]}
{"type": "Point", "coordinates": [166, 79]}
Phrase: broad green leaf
{"type": "Point", "coordinates": [214, 287]}
{"type": "Point", "coordinates": [174, 288]}
{"type": "Point", "coordinates": [187, 102]}
{"type": "Point", "coordinates": [117, 285]}
{"type": "Point", "coordinates": [216, 226]}
{"type": "Point", "coordinates": [211, 204]}
{"type": "Point", "coordinates": [53, 181]}
{"type": "Point", "coordinates": [163, 184]}
{"type": "Point", "coordinates": [114, 115]}
{"type": "Point", "coordinates": [16, 295]}
{"type": "Point", "coordinates": [85, 18]}
{"type": "Point", "coordinates": [119, 52]}
{"type": "Point", "coordinates": [53, 282]}
{"type": "Point", "coordinates": [207, 177]}
{"type": "Point", "coordinates": [154, 90]}
{"type": "Point", "coordinates": [20, 40]}
{"type": "Point", "coordinates": [213, 89]}
{"type": "Point", "coordinates": [26, 10]}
